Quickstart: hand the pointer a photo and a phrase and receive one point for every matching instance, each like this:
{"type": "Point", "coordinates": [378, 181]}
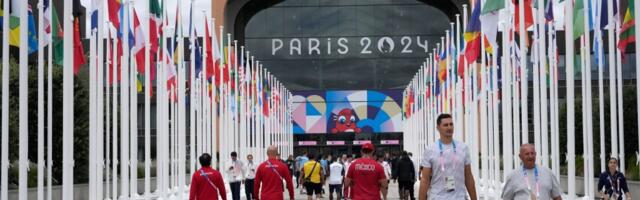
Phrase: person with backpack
{"type": "Point", "coordinates": [312, 177]}
{"type": "Point", "coordinates": [405, 174]}
{"type": "Point", "coordinates": [269, 176]}
{"type": "Point", "coordinates": [206, 183]}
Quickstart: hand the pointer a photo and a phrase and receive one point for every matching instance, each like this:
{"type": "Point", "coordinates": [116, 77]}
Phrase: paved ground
{"type": "Point", "coordinates": [392, 195]}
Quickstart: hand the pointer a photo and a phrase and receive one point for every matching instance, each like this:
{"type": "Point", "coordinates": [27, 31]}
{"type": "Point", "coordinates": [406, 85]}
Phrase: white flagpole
{"type": "Point", "coordinates": [600, 52]}
{"type": "Point", "coordinates": [586, 102]}
{"type": "Point", "coordinates": [67, 99]}
{"type": "Point", "coordinates": [23, 138]}
{"type": "Point", "coordinates": [241, 114]}
{"type": "Point", "coordinates": [544, 111]}
{"type": "Point", "coordinates": [618, 64]}
{"type": "Point", "coordinates": [182, 129]}
{"type": "Point", "coordinates": [124, 99]}
{"type": "Point", "coordinates": [100, 162]}
{"type": "Point", "coordinates": [214, 104]}
{"type": "Point", "coordinates": [133, 93]}
{"type": "Point", "coordinates": [523, 76]}
{"type": "Point", "coordinates": [4, 175]}
{"type": "Point", "coordinates": [236, 135]}
{"type": "Point", "coordinates": [536, 63]}
{"type": "Point", "coordinates": [570, 99]}
{"type": "Point", "coordinates": [114, 122]}
{"type": "Point", "coordinates": [41, 44]}
{"type": "Point", "coordinates": [49, 106]}
{"type": "Point", "coordinates": [612, 84]}
{"type": "Point", "coordinates": [637, 13]}
{"type": "Point", "coordinates": [108, 111]}
{"type": "Point", "coordinates": [92, 117]}
{"type": "Point", "coordinates": [507, 133]}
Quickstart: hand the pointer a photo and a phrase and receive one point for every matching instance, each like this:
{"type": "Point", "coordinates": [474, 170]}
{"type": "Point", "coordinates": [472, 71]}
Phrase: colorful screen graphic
{"type": "Point", "coordinates": [351, 111]}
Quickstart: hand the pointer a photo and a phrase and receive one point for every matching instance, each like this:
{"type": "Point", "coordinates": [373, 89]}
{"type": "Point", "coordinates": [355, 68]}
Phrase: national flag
{"type": "Point", "coordinates": [548, 13]}
{"type": "Point", "coordinates": [442, 65]}
{"type": "Point", "coordinates": [489, 19]}
{"type": "Point", "coordinates": [198, 56]}
{"type": "Point", "coordinates": [78, 51]}
{"type": "Point", "coordinates": [57, 36]}
{"type": "Point", "coordinates": [578, 19]}
{"type": "Point", "coordinates": [604, 17]}
{"type": "Point", "coordinates": [170, 70]}
{"type": "Point", "coordinates": [472, 35]}
{"type": "Point", "coordinates": [154, 24]}
{"type": "Point", "coordinates": [209, 64]}
{"type": "Point", "coordinates": [139, 48]}
{"type": "Point", "coordinates": [14, 31]}
{"type": "Point", "coordinates": [266, 90]}
{"type": "Point", "coordinates": [114, 9]}
{"type": "Point", "coordinates": [627, 31]}
{"type": "Point", "coordinates": [95, 5]}
{"type": "Point", "coordinates": [528, 14]}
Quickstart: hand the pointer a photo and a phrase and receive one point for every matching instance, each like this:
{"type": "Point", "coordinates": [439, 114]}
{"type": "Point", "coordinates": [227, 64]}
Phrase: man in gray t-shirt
{"type": "Point", "coordinates": [531, 181]}
{"type": "Point", "coordinates": [446, 166]}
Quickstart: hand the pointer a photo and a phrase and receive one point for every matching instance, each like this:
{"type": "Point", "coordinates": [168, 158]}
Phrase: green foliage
{"type": "Point", "coordinates": [81, 124]}
{"type": "Point", "coordinates": [630, 130]}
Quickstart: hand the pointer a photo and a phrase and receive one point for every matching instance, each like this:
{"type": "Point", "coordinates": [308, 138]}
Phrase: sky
{"type": "Point", "coordinates": [201, 8]}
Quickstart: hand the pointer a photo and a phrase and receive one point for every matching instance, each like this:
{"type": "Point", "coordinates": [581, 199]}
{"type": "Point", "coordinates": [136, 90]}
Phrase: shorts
{"type": "Point", "coordinates": [337, 188]}
{"type": "Point", "coordinates": [313, 188]}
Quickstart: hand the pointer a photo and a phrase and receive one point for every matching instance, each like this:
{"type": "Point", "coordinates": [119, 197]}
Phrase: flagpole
{"type": "Point", "coordinates": [67, 99]}
{"type": "Point", "coordinates": [600, 54]}
{"type": "Point", "coordinates": [147, 107]}
{"type": "Point", "coordinates": [637, 31]}
{"type": "Point", "coordinates": [100, 106]}
{"type": "Point", "coordinates": [586, 102]}
{"type": "Point", "coordinates": [536, 63]}
{"type": "Point", "coordinates": [507, 139]}
{"type": "Point", "coordinates": [23, 105]}
{"type": "Point", "coordinates": [114, 110]}
{"type": "Point", "coordinates": [92, 117]}
{"type": "Point", "coordinates": [49, 104]}
{"type": "Point", "coordinates": [542, 72]}
{"type": "Point", "coordinates": [41, 44]}
{"type": "Point", "coordinates": [124, 99]}
{"type": "Point", "coordinates": [133, 93]}
{"type": "Point", "coordinates": [618, 64]}
{"type": "Point", "coordinates": [5, 107]}
{"type": "Point", "coordinates": [570, 98]}
{"type": "Point", "coordinates": [612, 84]}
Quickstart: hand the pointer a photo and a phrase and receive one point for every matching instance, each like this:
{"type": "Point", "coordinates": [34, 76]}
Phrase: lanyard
{"type": "Point", "coordinates": [617, 188]}
{"type": "Point", "coordinates": [442, 154]}
{"type": "Point", "coordinates": [526, 179]}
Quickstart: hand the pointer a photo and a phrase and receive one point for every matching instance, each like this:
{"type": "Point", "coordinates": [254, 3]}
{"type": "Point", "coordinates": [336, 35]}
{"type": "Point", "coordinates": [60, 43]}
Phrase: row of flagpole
{"type": "Point", "coordinates": [489, 99]}
{"type": "Point", "coordinates": [233, 102]}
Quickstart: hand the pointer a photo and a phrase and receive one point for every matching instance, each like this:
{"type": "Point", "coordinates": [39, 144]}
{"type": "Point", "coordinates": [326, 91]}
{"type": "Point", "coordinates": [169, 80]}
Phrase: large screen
{"type": "Point", "coordinates": [350, 111]}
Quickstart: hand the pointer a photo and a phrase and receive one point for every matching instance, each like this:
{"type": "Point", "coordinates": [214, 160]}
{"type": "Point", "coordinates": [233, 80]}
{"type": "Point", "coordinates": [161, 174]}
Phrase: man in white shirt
{"type": "Point", "coordinates": [387, 172]}
{"type": "Point", "coordinates": [336, 175]}
{"type": "Point", "coordinates": [250, 170]}
{"type": "Point", "coordinates": [531, 181]}
{"type": "Point", "coordinates": [446, 172]}
{"type": "Point", "coordinates": [235, 175]}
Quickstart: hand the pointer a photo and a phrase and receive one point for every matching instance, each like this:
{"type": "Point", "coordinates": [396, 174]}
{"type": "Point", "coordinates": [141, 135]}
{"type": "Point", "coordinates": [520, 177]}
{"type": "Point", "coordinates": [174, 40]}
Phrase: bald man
{"type": "Point", "coordinates": [269, 175]}
{"type": "Point", "coordinates": [531, 181]}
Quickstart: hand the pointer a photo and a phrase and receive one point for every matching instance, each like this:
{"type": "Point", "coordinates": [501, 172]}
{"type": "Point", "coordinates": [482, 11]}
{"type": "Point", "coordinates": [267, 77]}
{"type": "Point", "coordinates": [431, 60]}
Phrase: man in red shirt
{"type": "Point", "coordinates": [206, 183]}
{"type": "Point", "coordinates": [366, 176]}
{"type": "Point", "coordinates": [270, 174]}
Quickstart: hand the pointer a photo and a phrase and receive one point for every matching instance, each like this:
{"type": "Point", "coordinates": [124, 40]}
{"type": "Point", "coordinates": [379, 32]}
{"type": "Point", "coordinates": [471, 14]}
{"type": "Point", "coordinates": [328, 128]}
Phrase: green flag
{"type": "Point", "coordinates": [57, 37]}
{"type": "Point", "coordinates": [492, 5]}
{"type": "Point", "coordinates": [578, 19]}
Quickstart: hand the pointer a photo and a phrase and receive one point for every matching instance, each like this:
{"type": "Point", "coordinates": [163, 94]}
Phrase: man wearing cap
{"type": "Point", "coordinates": [446, 166]}
{"type": "Point", "coordinates": [269, 176]}
{"type": "Point", "coordinates": [366, 176]}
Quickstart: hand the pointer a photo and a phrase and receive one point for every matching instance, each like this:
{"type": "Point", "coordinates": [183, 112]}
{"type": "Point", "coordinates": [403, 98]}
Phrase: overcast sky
{"type": "Point", "coordinates": [141, 8]}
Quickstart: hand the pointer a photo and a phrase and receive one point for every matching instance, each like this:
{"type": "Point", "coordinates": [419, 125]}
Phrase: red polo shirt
{"type": "Point", "coordinates": [365, 174]}
{"type": "Point", "coordinates": [269, 175]}
{"type": "Point", "coordinates": [202, 189]}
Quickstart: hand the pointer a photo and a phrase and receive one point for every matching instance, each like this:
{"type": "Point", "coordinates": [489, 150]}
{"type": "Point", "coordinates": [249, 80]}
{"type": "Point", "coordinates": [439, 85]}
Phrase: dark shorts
{"type": "Point", "coordinates": [313, 188]}
{"type": "Point", "coordinates": [335, 188]}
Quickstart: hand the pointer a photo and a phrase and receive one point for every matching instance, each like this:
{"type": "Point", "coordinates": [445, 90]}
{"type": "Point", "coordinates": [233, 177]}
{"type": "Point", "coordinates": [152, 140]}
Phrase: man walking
{"type": "Point", "coordinates": [531, 181]}
{"type": "Point", "coordinates": [336, 175]}
{"type": "Point", "coordinates": [235, 175]}
{"type": "Point", "coordinates": [251, 174]}
{"type": "Point", "coordinates": [312, 178]}
{"type": "Point", "coordinates": [206, 183]}
{"type": "Point", "coordinates": [446, 172]}
{"type": "Point", "coordinates": [269, 176]}
{"type": "Point", "coordinates": [366, 176]}
{"type": "Point", "coordinates": [405, 174]}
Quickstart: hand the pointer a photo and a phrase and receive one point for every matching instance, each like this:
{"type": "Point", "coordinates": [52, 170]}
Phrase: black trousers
{"type": "Point", "coordinates": [248, 188]}
{"type": "Point", "coordinates": [406, 185]}
{"type": "Point", "coordinates": [235, 190]}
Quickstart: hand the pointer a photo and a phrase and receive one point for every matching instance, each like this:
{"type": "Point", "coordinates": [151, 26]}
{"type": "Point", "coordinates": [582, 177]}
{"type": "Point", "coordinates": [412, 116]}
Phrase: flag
{"type": "Point", "coordinates": [78, 51]}
{"type": "Point", "coordinates": [170, 70]}
{"type": "Point", "coordinates": [198, 55]}
{"type": "Point", "coordinates": [154, 24]}
{"type": "Point", "coordinates": [114, 9]}
{"type": "Point", "coordinates": [489, 19]}
{"type": "Point", "coordinates": [138, 49]}
{"type": "Point", "coordinates": [209, 64]}
{"type": "Point", "coordinates": [627, 31]}
{"type": "Point", "coordinates": [57, 36]}
{"type": "Point", "coordinates": [578, 19]}
{"type": "Point", "coordinates": [442, 65]}
{"type": "Point", "coordinates": [604, 18]}
{"type": "Point", "coordinates": [472, 35]}
{"type": "Point", "coordinates": [266, 90]}
{"type": "Point", "coordinates": [14, 31]}
{"type": "Point", "coordinates": [548, 13]}
{"type": "Point", "coordinates": [47, 20]}
{"type": "Point", "coordinates": [528, 14]}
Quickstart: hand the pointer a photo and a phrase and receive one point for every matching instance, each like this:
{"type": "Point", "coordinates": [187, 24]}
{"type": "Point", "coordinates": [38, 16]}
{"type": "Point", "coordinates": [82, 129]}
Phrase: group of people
{"type": "Point", "coordinates": [445, 173]}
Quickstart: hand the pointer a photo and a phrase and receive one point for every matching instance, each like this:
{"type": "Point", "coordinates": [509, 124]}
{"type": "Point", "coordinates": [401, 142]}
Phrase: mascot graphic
{"type": "Point", "coordinates": [345, 122]}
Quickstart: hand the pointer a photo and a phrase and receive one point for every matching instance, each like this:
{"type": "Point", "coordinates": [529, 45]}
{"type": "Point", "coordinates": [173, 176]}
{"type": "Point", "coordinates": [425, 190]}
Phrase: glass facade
{"type": "Point", "coordinates": [311, 44]}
